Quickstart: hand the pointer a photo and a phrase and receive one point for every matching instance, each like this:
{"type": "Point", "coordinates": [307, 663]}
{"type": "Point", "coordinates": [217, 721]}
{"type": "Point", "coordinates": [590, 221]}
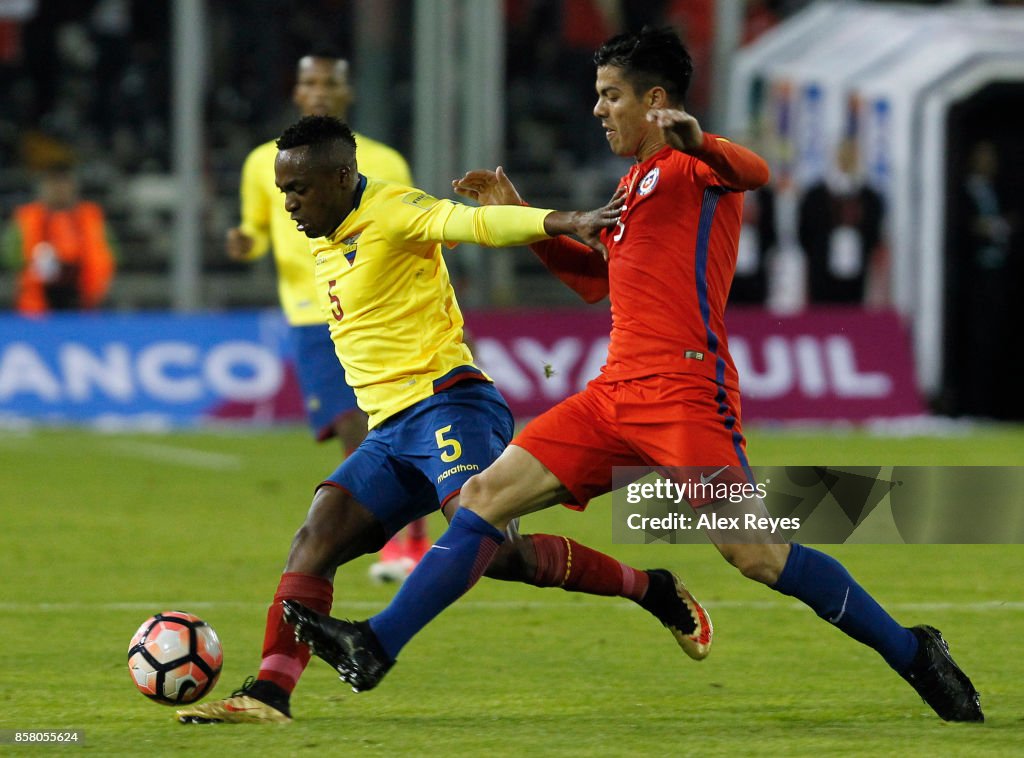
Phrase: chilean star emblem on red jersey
{"type": "Point", "coordinates": [649, 182]}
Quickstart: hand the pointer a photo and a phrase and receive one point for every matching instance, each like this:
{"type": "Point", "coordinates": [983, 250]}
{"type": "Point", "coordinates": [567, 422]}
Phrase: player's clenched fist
{"type": "Point", "coordinates": [237, 244]}
{"type": "Point", "coordinates": [682, 131]}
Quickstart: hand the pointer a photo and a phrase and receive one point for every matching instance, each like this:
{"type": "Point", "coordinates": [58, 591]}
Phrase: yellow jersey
{"type": "Point", "coordinates": [268, 223]}
{"type": "Point", "coordinates": [385, 290]}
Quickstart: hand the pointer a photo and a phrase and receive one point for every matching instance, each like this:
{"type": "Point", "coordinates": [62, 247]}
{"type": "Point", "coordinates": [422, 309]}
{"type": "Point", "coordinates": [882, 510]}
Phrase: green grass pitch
{"type": "Point", "coordinates": [100, 531]}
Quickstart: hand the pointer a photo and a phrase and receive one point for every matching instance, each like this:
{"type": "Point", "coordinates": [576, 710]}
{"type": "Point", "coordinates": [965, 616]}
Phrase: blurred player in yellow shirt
{"type": "Point", "coordinates": [321, 89]}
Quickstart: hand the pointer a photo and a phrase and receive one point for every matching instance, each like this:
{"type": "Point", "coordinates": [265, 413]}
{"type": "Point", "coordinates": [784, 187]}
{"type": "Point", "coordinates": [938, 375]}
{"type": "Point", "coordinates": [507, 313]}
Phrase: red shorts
{"type": "Point", "coordinates": [674, 420]}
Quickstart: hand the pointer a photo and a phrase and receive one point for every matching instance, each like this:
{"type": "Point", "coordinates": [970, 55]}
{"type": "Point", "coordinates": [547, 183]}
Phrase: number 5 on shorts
{"type": "Point", "coordinates": [455, 451]}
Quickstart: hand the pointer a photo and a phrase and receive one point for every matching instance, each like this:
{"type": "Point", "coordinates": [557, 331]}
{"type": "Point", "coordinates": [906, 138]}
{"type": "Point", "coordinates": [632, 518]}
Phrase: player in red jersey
{"type": "Point", "coordinates": [667, 397]}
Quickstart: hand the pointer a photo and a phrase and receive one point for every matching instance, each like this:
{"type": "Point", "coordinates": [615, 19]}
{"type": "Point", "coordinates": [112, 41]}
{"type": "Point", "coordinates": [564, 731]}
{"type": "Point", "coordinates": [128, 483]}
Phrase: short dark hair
{"type": "Point", "coordinates": [326, 136]}
{"type": "Point", "coordinates": [650, 58]}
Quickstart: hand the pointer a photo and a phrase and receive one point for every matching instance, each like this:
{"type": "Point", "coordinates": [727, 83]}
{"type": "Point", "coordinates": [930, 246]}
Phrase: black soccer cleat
{"type": "Point", "coordinates": [350, 647]}
{"type": "Point", "coordinates": [678, 610]}
{"type": "Point", "coordinates": [939, 681]}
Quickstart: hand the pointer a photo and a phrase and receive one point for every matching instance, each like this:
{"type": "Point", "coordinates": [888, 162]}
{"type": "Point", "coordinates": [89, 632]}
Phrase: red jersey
{"type": "Point", "coordinates": [671, 260]}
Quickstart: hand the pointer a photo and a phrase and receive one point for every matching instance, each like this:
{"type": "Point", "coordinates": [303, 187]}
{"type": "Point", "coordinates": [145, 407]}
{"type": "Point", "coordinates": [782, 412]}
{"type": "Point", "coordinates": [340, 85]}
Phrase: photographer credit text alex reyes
{"type": "Point", "coordinates": [659, 504]}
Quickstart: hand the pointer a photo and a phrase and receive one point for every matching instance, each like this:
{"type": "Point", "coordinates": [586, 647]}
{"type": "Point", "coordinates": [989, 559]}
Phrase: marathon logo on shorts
{"type": "Point", "coordinates": [461, 468]}
{"type": "Point", "coordinates": [421, 200]}
{"type": "Point", "coordinates": [649, 182]}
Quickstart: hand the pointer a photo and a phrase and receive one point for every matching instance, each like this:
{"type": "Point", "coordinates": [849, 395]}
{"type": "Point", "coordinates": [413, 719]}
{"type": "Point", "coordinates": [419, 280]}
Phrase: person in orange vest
{"type": "Point", "coordinates": [61, 246]}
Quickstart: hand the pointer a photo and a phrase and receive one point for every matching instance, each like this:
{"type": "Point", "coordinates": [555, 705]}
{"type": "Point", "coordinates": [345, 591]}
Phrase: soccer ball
{"type": "Point", "coordinates": [175, 658]}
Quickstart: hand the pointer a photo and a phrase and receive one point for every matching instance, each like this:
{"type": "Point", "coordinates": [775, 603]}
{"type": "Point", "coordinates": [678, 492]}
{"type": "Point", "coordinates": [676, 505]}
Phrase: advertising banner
{"type": "Point", "coordinates": [147, 370]}
{"type": "Point", "coordinates": [160, 370]}
{"type": "Point", "coordinates": [823, 364]}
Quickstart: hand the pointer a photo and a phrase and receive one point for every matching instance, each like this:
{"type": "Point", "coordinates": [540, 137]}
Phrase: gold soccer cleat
{"type": "Point", "coordinates": [240, 708]}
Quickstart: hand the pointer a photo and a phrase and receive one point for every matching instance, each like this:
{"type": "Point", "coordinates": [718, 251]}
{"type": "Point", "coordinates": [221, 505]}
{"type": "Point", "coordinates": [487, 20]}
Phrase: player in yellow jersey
{"type": "Point", "coordinates": [321, 89]}
{"type": "Point", "coordinates": [436, 418]}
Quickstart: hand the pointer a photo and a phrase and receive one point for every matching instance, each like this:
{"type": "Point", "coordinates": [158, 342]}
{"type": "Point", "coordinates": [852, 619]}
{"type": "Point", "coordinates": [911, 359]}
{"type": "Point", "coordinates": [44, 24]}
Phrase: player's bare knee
{"type": "Point", "coordinates": [474, 492]}
{"type": "Point", "coordinates": [481, 494]}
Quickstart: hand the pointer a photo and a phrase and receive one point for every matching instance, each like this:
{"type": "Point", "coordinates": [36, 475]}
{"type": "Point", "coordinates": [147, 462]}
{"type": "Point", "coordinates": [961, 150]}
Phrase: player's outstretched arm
{"type": "Point", "coordinates": [583, 270]}
{"type": "Point", "coordinates": [737, 167]}
{"type": "Point", "coordinates": [494, 188]}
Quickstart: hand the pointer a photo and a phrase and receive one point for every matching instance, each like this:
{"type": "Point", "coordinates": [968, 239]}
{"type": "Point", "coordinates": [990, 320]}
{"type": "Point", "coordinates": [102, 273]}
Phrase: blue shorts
{"type": "Point", "coordinates": [414, 462]}
{"type": "Point", "coordinates": [325, 393]}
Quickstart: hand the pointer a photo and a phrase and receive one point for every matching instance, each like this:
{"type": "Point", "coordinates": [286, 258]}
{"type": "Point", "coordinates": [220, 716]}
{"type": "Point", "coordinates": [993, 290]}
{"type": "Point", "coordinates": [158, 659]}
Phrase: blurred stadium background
{"type": "Point", "coordinates": [159, 102]}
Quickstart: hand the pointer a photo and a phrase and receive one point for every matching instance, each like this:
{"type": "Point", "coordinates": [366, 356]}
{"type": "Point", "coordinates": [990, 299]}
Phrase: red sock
{"type": "Point", "coordinates": [392, 550]}
{"type": "Point", "coordinates": [565, 563]}
{"type": "Point", "coordinates": [284, 659]}
{"type": "Point", "coordinates": [417, 543]}
{"type": "Point", "coordinates": [417, 530]}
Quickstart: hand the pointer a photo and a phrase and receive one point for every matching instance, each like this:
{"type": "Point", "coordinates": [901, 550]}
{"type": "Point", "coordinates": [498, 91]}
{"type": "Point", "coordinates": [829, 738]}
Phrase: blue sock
{"type": "Point", "coordinates": [821, 581]}
{"type": "Point", "coordinates": [444, 574]}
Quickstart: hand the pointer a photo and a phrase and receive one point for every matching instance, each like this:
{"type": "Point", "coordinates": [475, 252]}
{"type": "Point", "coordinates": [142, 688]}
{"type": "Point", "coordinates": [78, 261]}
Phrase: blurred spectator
{"type": "Point", "coordinates": [60, 247]}
{"type": "Point", "coordinates": [840, 231]}
{"type": "Point", "coordinates": [13, 14]}
{"type": "Point", "coordinates": [985, 237]}
{"type": "Point", "coordinates": [758, 242]}
{"type": "Point", "coordinates": [981, 272]}
{"type": "Point", "coordinates": [756, 275]}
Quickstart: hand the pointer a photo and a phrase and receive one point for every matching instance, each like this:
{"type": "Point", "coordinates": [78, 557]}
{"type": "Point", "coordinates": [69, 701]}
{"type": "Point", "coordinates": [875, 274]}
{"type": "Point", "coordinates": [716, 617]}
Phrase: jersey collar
{"type": "Point", "coordinates": [657, 156]}
{"type": "Point", "coordinates": [357, 197]}
{"type": "Point", "coordinates": [360, 188]}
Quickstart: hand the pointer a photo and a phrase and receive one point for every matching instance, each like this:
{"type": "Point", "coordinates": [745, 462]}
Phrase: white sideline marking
{"type": "Point", "coordinates": [149, 451]}
{"type": "Point", "coordinates": [183, 456]}
{"type": "Point", "coordinates": [768, 605]}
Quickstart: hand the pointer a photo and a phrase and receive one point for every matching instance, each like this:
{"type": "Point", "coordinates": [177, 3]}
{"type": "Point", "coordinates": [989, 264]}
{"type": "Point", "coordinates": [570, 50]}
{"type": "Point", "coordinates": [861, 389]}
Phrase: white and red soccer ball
{"type": "Point", "coordinates": [175, 658]}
